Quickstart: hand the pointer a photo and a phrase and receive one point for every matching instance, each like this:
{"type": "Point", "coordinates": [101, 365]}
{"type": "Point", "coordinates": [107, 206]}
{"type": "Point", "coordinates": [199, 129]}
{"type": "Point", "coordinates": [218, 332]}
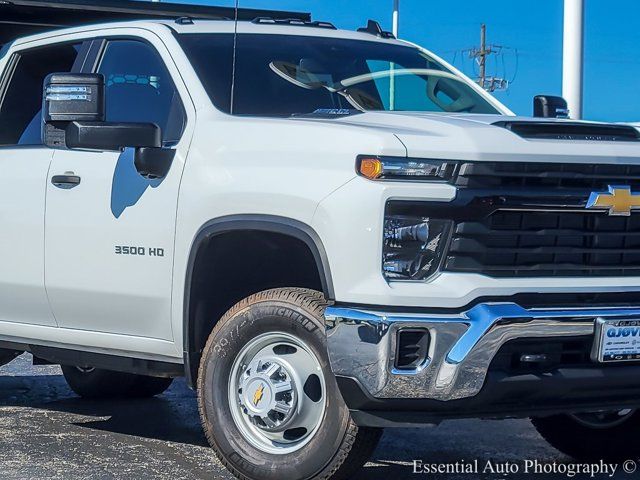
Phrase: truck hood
{"type": "Point", "coordinates": [487, 138]}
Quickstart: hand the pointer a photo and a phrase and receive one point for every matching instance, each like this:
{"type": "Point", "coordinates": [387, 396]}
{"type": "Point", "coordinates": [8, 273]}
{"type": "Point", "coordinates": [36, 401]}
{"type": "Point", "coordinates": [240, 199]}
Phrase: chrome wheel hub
{"type": "Point", "coordinates": [267, 394]}
{"type": "Point", "coordinates": [277, 393]}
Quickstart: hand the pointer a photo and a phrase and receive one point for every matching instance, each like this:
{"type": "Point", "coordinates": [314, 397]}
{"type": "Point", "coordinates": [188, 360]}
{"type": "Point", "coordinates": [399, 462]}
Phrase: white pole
{"type": "Point", "coordinates": [396, 18]}
{"type": "Point", "coordinates": [573, 56]}
{"type": "Point", "coordinates": [392, 79]}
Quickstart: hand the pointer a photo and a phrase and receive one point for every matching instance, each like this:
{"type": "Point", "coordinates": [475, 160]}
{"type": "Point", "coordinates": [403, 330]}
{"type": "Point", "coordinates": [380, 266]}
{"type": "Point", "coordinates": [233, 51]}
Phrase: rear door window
{"type": "Point", "coordinates": [20, 107]}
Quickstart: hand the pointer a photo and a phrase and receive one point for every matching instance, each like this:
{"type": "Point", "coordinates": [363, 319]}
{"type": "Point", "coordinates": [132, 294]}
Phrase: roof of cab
{"type": "Point", "coordinates": [315, 29]}
{"type": "Point", "coordinates": [219, 26]}
{"type": "Point", "coordinates": [27, 17]}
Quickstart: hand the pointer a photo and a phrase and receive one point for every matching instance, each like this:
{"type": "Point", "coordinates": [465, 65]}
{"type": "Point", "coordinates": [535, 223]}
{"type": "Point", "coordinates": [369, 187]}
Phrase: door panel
{"type": "Point", "coordinates": [109, 248]}
{"type": "Point", "coordinates": [23, 176]}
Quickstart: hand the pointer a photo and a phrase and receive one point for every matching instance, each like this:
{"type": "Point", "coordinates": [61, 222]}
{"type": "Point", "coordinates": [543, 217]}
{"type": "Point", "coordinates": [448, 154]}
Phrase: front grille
{"type": "Point", "coordinates": [511, 243]}
{"type": "Point", "coordinates": [560, 352]}
{"type": "Point", "coordinates": [525, 219]}
{"type": "Point", "coordinates": [577, 177]}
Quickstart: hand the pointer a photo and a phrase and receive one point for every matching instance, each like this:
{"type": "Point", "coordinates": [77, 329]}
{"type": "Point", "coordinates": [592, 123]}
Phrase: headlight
{"type": "Point", "coordinates": [413, 247]}
{"type": "Point", "coordinates": [413, 169]}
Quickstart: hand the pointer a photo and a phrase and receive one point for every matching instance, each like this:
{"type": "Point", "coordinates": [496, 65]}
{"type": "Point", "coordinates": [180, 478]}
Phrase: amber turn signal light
{"type": "Point", "coordinates": [371, 168]}
{"type": "Point", "coordinates": [408, 169]}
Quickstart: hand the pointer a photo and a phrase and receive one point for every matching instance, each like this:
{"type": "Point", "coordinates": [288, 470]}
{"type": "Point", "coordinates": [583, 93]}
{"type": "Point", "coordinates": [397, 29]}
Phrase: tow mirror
{"type": "Point", "coordinates": [547, 106]}
{"type": "Point", "coordinates": [74, 112]}
{"type": "Point", "coordinates": [70, 97]}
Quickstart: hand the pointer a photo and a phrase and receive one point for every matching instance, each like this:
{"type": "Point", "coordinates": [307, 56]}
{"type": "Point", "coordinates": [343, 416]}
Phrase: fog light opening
{"type": "Point", "coordinates": [412, 349]}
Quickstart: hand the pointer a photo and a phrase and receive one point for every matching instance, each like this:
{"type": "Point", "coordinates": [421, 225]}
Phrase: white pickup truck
{"type": "Point", "coordinates": [327, 232]}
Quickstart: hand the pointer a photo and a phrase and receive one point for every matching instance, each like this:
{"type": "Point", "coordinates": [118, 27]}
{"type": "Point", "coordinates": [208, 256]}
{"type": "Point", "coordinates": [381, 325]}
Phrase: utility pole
{"type": "Point", "coordinates": [480, 55]}
{"type": "Point", "coordinates": [573, 56]}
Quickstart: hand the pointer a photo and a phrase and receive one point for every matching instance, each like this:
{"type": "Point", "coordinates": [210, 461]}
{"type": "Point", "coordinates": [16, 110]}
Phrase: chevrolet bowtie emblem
{"type": "Point", "coordinates": [258, 394]}
{"type": "Point", "coordinates": [618, 200]}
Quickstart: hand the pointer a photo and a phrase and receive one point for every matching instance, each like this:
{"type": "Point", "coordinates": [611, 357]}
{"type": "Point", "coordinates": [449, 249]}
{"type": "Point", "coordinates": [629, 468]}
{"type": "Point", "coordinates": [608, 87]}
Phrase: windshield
{"type": "Point", "coordinates": [283, 75]}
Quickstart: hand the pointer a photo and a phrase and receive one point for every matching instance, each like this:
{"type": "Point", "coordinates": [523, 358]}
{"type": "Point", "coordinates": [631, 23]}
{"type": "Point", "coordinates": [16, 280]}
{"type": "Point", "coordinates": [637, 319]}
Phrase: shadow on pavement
{"type": "Point", "coordinates": [170, 417]}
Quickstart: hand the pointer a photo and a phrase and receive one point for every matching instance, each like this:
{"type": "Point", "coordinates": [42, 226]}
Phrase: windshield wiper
{"type": "Point", "coordinates": [328, 113]}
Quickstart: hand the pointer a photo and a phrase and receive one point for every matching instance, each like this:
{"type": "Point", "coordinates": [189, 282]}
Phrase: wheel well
{"type": "Point", "coordinates": [231, 265]}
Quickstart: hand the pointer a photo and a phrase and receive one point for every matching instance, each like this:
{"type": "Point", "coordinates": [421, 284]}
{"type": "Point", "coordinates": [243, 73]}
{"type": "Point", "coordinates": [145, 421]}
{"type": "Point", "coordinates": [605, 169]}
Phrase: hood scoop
{"type": "Point", "coordinates": [572, 131]}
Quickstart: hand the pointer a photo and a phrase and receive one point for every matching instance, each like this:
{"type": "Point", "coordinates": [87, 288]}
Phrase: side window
{"type": "Point", "coordinates": [140, 89]}
{"type": "Point", "coordinates": [20, 107]}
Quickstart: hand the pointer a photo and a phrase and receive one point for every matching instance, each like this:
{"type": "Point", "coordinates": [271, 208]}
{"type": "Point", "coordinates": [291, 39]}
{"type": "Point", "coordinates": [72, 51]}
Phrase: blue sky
{"type": "Point", "coordinates": [532, 28]}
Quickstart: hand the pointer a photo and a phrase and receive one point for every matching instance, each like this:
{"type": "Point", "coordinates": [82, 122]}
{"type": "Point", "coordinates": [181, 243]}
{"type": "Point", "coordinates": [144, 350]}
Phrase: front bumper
{"type": "Point", "coordinates": [361, 345]}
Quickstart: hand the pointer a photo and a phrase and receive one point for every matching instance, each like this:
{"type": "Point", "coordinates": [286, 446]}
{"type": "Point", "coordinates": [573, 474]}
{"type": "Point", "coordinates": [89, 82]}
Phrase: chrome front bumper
{"type": "Point", "coordinates": [361, 345]}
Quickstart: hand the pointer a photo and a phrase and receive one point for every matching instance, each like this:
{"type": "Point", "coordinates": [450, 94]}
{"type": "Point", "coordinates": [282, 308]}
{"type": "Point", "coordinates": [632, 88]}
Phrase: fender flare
{"type": "Point", "coordinates": [264, 223]}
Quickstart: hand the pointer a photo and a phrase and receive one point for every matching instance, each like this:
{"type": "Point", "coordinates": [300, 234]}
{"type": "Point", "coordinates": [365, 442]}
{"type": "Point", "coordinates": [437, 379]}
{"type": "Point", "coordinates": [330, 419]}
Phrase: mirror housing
{"type": "Point", "coordinates": [153, 163]}
{"type": "Point", "coordinates": [112, 135]}
{"type": "Point", "coordinates": [73, 112]}
{"type": "Point", "coordinates": [548, 106]}
{"type": "Point", "coordinates": [69, 97]}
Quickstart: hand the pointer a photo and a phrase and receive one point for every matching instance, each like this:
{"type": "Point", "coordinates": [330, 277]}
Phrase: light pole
{"type": "Point", "coordinates": [573, 56]}
{"type": "Point", "coordinates": [395, 30]}
{"type": "Point", "coordinates": [396, 18]}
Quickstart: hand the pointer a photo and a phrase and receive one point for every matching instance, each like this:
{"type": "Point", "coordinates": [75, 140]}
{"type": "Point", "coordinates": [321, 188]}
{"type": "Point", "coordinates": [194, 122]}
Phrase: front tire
{"type": "Point", "coordinates": [609, 436]}
{"type": "Point", "coordinates": [269, 404]}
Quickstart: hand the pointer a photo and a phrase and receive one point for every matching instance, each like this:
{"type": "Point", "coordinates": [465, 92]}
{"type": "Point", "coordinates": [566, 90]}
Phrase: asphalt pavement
{"type": "Point", "coordinates": [46, 432]}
